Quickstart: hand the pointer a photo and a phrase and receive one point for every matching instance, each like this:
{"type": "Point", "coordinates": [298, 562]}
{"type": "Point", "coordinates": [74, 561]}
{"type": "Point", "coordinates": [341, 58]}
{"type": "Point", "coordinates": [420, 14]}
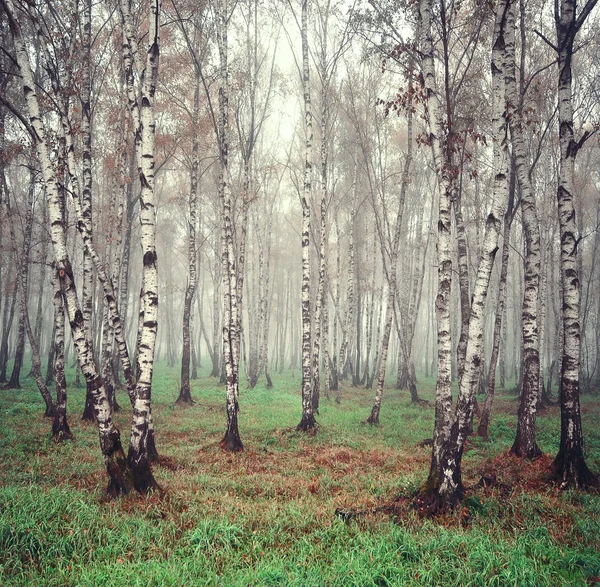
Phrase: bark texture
{"type": "Point", "coordinates": [569, 464]}
{"type": "Point", "coordinates": [443, 488]}
{"type": "Point", "coordinates": [308, 418]}
{"type": "Point", "coordinates": [525, 444]}
{"type": "Point", "coordinates": [120, 478]}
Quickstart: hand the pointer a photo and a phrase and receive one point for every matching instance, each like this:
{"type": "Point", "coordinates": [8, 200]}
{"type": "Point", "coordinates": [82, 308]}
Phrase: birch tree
{"type": "Point", "coordinates": [185, 395]}
{"type": "Point", "coordinates": [391, 268]}
{"type": "Point", "coordinates": [444, 485]}
{"type": "Point", "coordinates": [231, 441]}
{"type": "Point", "coordinates": [119, 472]}
{"type": "Point", "coordinates": [141, 446]}
{"type": "Point", "coordinates": [308, 418]}
{"type": "Point", "coordinates": [570, 466]}
{"type": "Point", "coordinates": [525, 444]}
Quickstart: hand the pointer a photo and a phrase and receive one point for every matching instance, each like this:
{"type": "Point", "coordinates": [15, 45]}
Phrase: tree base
{"type": "Point", "coordinates": [153, 455]}
{"type": "Point", "coordinates": [143, 479]}
{"type": "Point", "coordinates": [60, 429]}
{"type": "Point", "coordinates": [482, 432]}
{"type": "Point", "coordinates": [232, 442]}
{"type": "Point", "coordinates": [530, 453]}
{"type": "Point", "coordinates": [307, 424]}
{"type": "Point", "coordinates": [184, 399]}
{"type": "Point", "coordinates": [120, 477]}
{"type": "Point", "coordinates": [428, 500]}
{"type": "Point", "coordinates": [574, 473]}
{"type": "Point", "coordinates": [88, 411]}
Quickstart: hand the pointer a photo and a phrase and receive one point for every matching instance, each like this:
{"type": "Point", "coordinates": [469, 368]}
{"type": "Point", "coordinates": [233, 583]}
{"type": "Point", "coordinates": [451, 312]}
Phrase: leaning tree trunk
{"type": "Point", "coordinates": [308, 417]}
{"type": "Point", "coordinates": [482, 428]}
{"type": "Point", "coordinates": [525, 444]}
{"type": "Point", "coordinates": [391, 270]}
{"type": "Point", "coordinates": [445, 488]}
{"type": "Point", "coordinates": [22, 281]}
{"type": "Point", "coordinates": [569, 464]}
{"type": "Point", "coordinates": [120, 478]}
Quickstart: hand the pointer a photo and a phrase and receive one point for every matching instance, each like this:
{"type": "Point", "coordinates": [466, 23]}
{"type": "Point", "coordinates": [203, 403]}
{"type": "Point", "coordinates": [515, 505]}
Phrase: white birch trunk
{"type": "Point", "coordinates": [391, 270]}
{"type": "Point", "coordinates": [231, 346]}
{"type": "Point", "coordinates": [443, 394]}
{"type": "Point", "coordinates": [450, 488]}
{"type": "Point", "coordinates": [569, 464]}
{"type": "Point", "coordinates": [525, 444]}
{"type": "Point", "coordinates": [444, 486]}
{"type": "Point", "coordinates": [141, 440]}
{"type": "Point", "coordinates": [308, 418]}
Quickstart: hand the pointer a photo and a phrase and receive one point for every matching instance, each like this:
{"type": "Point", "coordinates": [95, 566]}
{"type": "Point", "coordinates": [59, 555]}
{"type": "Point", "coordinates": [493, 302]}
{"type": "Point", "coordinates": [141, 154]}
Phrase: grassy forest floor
{"type": "Point", "coordinates": [267, 516]}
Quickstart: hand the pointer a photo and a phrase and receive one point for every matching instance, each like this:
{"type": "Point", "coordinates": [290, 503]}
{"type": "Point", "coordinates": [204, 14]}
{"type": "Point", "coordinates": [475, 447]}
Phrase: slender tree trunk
{"type": "Point", "coordinates": [86, 192]}
{"type": "Point", "coordinates": [22, 280]}
{"type": "Point", "coordinates": [60, 426]}
{"type": "Point", "coordinates": [525, 444]}
{"type": "Point", "coordinates": [443, 394]}
{"type": "Point", "coordinates": [347, 326]}
{"type": "Point", "coordinates": [308, 418]}
{"type": "Point", "coordinates": [569, 464]}
{"type": "Point", "coordinates": [8, 314]}
{"type": "Point", "coordinates": [391, 270]}
{"type": "Point", "coordinates": [142, 449]}
{"type": "Point", "coordinates": [482, 429]}
{"type": "Point", "coordinates": [231, 332]}
{"type": "Point", "coordinates": [185, 396]}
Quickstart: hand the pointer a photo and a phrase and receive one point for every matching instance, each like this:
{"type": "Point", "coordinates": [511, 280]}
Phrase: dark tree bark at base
{"type": "Point", "coordinates": [12, 384]}
{"type": "Point", "coordinates": [143, 479]}
{"type": "Point", "coordinates": [572, 471]}
{"type": "Point", "coordinates": [153, 455]}
{"type": "Point", "coordinates": [60, 427]}
{"type": "Point", "coordinates": [120, 477]}
{"type": "Point", "coordinates": [307, 423]}
{"type": "Point", "coordinates": [428, 501]}
{"type": "Point", "coordinates": [482, 428]}
{"type": "Point", "coordinates": [525, 448]}
{"type": "Point", "coordinates": [231, 441]}
{"type": "Point", "coordinates": [269, 381]}
{"type": "Point", "coordinates": [373, 416]}
{"type": "Point", "coordinates": [88, 411]}
{"type": "Point", "coordinates": [414, 395]}
{"type": "Point", "coordinates": [315, 400]}
{"type": "Point", "coordinates": [185, 397]}
{"type": "Point", "coordinates": [50, 411]}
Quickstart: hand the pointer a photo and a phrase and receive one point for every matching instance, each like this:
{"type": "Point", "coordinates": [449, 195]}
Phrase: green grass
{"type": "Point", "coordinates": [266, 516]}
